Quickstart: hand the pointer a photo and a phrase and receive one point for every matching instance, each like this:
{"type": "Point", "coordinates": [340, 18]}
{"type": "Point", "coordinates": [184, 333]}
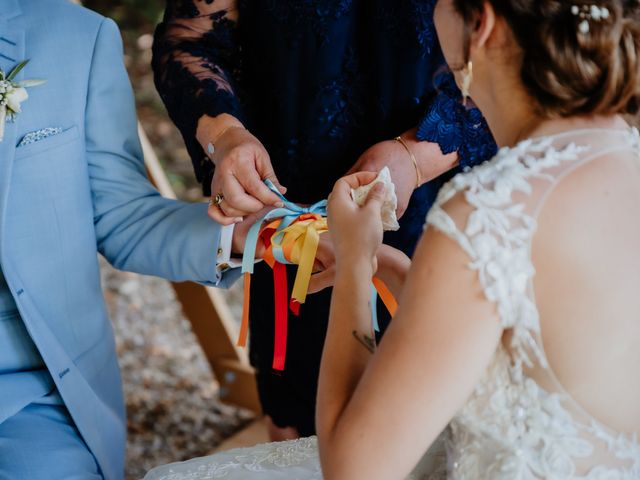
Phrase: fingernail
{"type": "Point", "coordinates": [278, 204]}
{"type": "Point", "coordinates": [238, 220]}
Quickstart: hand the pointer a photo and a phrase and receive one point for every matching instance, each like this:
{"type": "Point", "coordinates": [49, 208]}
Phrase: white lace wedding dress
{"type": "Point", "coordinates": [519, 423]}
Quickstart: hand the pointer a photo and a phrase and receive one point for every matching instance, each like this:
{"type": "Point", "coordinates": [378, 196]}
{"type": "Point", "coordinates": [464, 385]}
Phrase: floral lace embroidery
{"type": "Point", "coordinates": [456, 128]}
{"type": "Point", "coordinates": [299, 15]}
{"type": "Point", "coordinates": [511, 428]}
{"type": "Point", "coordinates": [294, 459]}
{"type": "Point", "coordinates": [252, 461]}
{"type": "Point", "coordinates": [409, 23]}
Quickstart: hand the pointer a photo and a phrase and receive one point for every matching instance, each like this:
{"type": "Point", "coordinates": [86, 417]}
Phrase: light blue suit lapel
{"type": "Point", "coordinates": [12, 51]}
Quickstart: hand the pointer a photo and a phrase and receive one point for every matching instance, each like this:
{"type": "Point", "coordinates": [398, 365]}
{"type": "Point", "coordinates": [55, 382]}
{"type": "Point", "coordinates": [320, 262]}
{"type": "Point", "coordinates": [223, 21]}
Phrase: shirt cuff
{"type": "Point", "coordinates": [224, 261]}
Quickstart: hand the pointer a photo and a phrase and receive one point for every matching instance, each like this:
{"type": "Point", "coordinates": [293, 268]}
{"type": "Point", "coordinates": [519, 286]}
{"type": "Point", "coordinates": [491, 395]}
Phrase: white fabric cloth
{"type": "Point", "coordinates": [513, 426]}
{"type": "Point", "coordinates": [224, 261]}
{"type": "Point", "coordinates": [389, 204]}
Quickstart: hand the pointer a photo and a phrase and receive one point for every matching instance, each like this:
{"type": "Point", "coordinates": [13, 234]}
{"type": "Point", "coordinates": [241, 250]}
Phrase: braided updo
{"type": "Point", "coordinates": [571, 67]}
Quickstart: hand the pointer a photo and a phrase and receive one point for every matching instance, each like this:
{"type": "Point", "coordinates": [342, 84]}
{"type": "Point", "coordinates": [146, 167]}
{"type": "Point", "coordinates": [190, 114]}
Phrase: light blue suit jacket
{"type": "Point", "coordinates": [70, 196]}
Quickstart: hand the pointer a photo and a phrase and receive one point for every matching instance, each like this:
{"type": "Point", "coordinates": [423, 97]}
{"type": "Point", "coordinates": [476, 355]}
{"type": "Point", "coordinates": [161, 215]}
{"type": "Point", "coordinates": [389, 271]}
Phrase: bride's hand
{"type": "Point", "coordinates": [356, 231]}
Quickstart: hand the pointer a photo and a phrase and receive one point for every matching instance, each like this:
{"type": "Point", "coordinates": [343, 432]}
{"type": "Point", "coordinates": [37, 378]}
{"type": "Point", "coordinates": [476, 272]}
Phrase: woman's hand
{"type": "Point", "coordinates": [242, 164]}
{"type": "Point", "coordinates": [392, 154]}
{"type": "Point", "coordinates": [429, 157]}
{"type": "Point", "coordinates": [356, 231]}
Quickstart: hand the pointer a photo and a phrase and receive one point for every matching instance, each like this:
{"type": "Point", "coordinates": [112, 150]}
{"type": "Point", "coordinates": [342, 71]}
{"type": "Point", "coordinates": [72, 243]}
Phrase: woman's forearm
{"type": "Point", "coordinates": [349, 345]}
{"type": "Point", "coordinates": [210, 128]}
{"type": "Point", "coordinates": [431, 161]}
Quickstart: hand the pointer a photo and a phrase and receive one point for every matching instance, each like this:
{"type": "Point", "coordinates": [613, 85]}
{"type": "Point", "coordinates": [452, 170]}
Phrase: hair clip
{"type": "Point", "coordinates": [587, 13]}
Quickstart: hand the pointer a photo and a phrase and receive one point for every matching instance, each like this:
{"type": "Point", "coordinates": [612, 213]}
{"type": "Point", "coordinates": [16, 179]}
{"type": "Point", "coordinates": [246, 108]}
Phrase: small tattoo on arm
{"type": "Point", "coordinates": [366, 341]}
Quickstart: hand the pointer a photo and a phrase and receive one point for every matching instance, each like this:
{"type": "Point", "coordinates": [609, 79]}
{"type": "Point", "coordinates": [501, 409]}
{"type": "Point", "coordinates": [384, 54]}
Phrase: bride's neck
{"type": "Point", "coordinates": [513, 118]}
{"type": "Point", "coordinates": [510, 116]}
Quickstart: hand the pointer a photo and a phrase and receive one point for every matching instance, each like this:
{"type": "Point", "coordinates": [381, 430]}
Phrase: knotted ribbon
{"type": "Point", "coordinates": [291, 237]}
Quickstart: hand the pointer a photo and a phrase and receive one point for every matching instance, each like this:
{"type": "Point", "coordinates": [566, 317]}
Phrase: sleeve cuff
{"type": "Point", "coordinates": [224, 262]}
{"type": "Point", "coordinates": [454, 127]}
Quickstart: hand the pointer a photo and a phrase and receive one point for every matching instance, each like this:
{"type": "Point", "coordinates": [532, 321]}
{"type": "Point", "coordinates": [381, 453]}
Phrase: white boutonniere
{"type": "Point", "coordinates": [12, 94]}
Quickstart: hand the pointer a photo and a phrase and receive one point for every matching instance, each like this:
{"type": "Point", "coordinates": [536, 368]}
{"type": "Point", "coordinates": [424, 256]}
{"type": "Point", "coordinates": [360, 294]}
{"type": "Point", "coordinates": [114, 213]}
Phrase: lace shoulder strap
{"type": "Point", "coordinates": [495, 226]}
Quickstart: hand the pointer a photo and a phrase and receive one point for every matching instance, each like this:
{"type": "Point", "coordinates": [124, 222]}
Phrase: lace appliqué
{"type": "Point", "coordinates": [456, 128]}
{"type": "Point", "coordinates": [252, 461]}
{"type": "Point", "coordinates": [410, 24]}
{"type": "Point", "coordinates": [294, 459]}
{"type": "Point", "coordinates": [340, 102]}
{"type": "Point", "coordinates": [299, 15]}
{"type": "Point", "coordinates": [511, 428]}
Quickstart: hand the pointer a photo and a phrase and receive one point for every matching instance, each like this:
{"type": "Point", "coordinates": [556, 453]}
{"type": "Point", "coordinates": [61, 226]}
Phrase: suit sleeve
{"type": "Point", "coordinates": [136, 228]}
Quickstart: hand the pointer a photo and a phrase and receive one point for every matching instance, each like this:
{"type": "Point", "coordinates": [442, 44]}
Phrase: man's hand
{"type": "Point", "coordinates": [242, 165]}
{"type": "Point", "coordinates": [392, 154]}
{"type": "Point", "coordinates": [241, 230]}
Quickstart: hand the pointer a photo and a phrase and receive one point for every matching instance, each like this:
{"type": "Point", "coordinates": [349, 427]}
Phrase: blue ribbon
{"type": "Point", "coordinates": [289, 213]}
{"type": "Point", "coordinates": [374, 309]}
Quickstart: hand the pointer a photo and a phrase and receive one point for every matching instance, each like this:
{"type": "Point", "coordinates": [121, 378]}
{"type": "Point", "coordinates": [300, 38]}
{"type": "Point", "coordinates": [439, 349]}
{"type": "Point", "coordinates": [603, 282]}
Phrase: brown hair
{"type": "Point", "coordinates": [568, 72]}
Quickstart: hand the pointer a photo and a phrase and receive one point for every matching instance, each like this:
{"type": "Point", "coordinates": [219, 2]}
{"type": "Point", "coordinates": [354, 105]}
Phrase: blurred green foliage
{"type": "Point", "coordinates": [130, 14]}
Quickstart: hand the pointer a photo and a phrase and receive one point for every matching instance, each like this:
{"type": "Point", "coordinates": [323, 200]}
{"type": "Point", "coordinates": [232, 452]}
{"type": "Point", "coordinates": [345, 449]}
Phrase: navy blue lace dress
{"type": "Point", "coordinates": [318, 82]}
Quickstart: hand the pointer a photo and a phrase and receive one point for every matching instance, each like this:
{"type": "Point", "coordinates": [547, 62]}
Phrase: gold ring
{"type": "Point", "coordinates": [217, 200]}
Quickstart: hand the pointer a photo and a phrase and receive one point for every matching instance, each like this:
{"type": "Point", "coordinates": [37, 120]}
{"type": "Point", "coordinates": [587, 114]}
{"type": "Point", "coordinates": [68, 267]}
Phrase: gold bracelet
{"type": "Point", "coordinates": [401, 140]}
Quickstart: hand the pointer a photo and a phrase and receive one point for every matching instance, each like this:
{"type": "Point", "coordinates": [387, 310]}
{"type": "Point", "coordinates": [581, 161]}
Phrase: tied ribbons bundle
{"type": "Point", "coordinates": [291, 236]}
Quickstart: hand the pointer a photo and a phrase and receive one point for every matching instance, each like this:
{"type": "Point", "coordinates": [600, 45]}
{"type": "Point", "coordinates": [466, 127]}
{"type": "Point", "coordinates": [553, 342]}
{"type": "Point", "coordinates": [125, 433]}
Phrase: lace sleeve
{"type": "Point", "coordinates": [196, 57]}
{"type": "Point", "coordinates": [454, 127]}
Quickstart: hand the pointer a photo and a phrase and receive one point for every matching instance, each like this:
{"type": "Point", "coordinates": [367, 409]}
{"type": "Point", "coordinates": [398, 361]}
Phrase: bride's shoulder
{"type": "Point", "coordinates": [490, 202]}
{"type": "Point", "coordinates": [511, 170]}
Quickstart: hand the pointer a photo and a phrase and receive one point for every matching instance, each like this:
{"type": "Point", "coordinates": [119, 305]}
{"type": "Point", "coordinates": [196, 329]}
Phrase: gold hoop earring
{"type": "Point", "coordinates": [467, 79]}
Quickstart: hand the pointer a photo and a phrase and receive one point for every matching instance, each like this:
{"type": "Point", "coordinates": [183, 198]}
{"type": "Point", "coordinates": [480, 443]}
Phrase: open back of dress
{"type": "Point", "coordinates": [552, 226]}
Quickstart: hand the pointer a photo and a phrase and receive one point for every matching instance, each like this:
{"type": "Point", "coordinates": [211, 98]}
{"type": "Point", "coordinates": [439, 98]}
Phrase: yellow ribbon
{"type": "Point", "coordinates": [299, 244]}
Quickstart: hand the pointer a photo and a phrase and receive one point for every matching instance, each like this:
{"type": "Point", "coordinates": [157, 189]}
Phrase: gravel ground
{"type": "Point", "coordinates": [174, 412]}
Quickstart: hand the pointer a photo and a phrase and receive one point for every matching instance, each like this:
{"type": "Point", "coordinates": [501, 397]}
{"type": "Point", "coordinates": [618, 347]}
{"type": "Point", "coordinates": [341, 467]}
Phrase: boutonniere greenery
{"type": "Point", "coordinates": [12, 94]}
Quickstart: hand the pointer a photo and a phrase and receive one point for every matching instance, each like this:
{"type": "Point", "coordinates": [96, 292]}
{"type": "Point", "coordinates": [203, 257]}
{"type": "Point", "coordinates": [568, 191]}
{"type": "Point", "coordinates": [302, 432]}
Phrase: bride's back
{"type": "Point", "coordinates": [566, 66]}
{"type": "Point", "coordinates": [587, 282]}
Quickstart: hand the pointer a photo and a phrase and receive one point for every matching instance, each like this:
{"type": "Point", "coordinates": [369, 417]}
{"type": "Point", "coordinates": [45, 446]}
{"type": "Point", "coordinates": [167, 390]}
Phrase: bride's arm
{"type": "Point", "coordinates": [378, 413]}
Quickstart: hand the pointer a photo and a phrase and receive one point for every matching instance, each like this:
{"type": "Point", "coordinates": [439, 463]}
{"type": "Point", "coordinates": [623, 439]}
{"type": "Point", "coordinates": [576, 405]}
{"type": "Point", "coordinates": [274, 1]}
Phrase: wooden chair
{"type": "Point", "coordinates": [210, 317]}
